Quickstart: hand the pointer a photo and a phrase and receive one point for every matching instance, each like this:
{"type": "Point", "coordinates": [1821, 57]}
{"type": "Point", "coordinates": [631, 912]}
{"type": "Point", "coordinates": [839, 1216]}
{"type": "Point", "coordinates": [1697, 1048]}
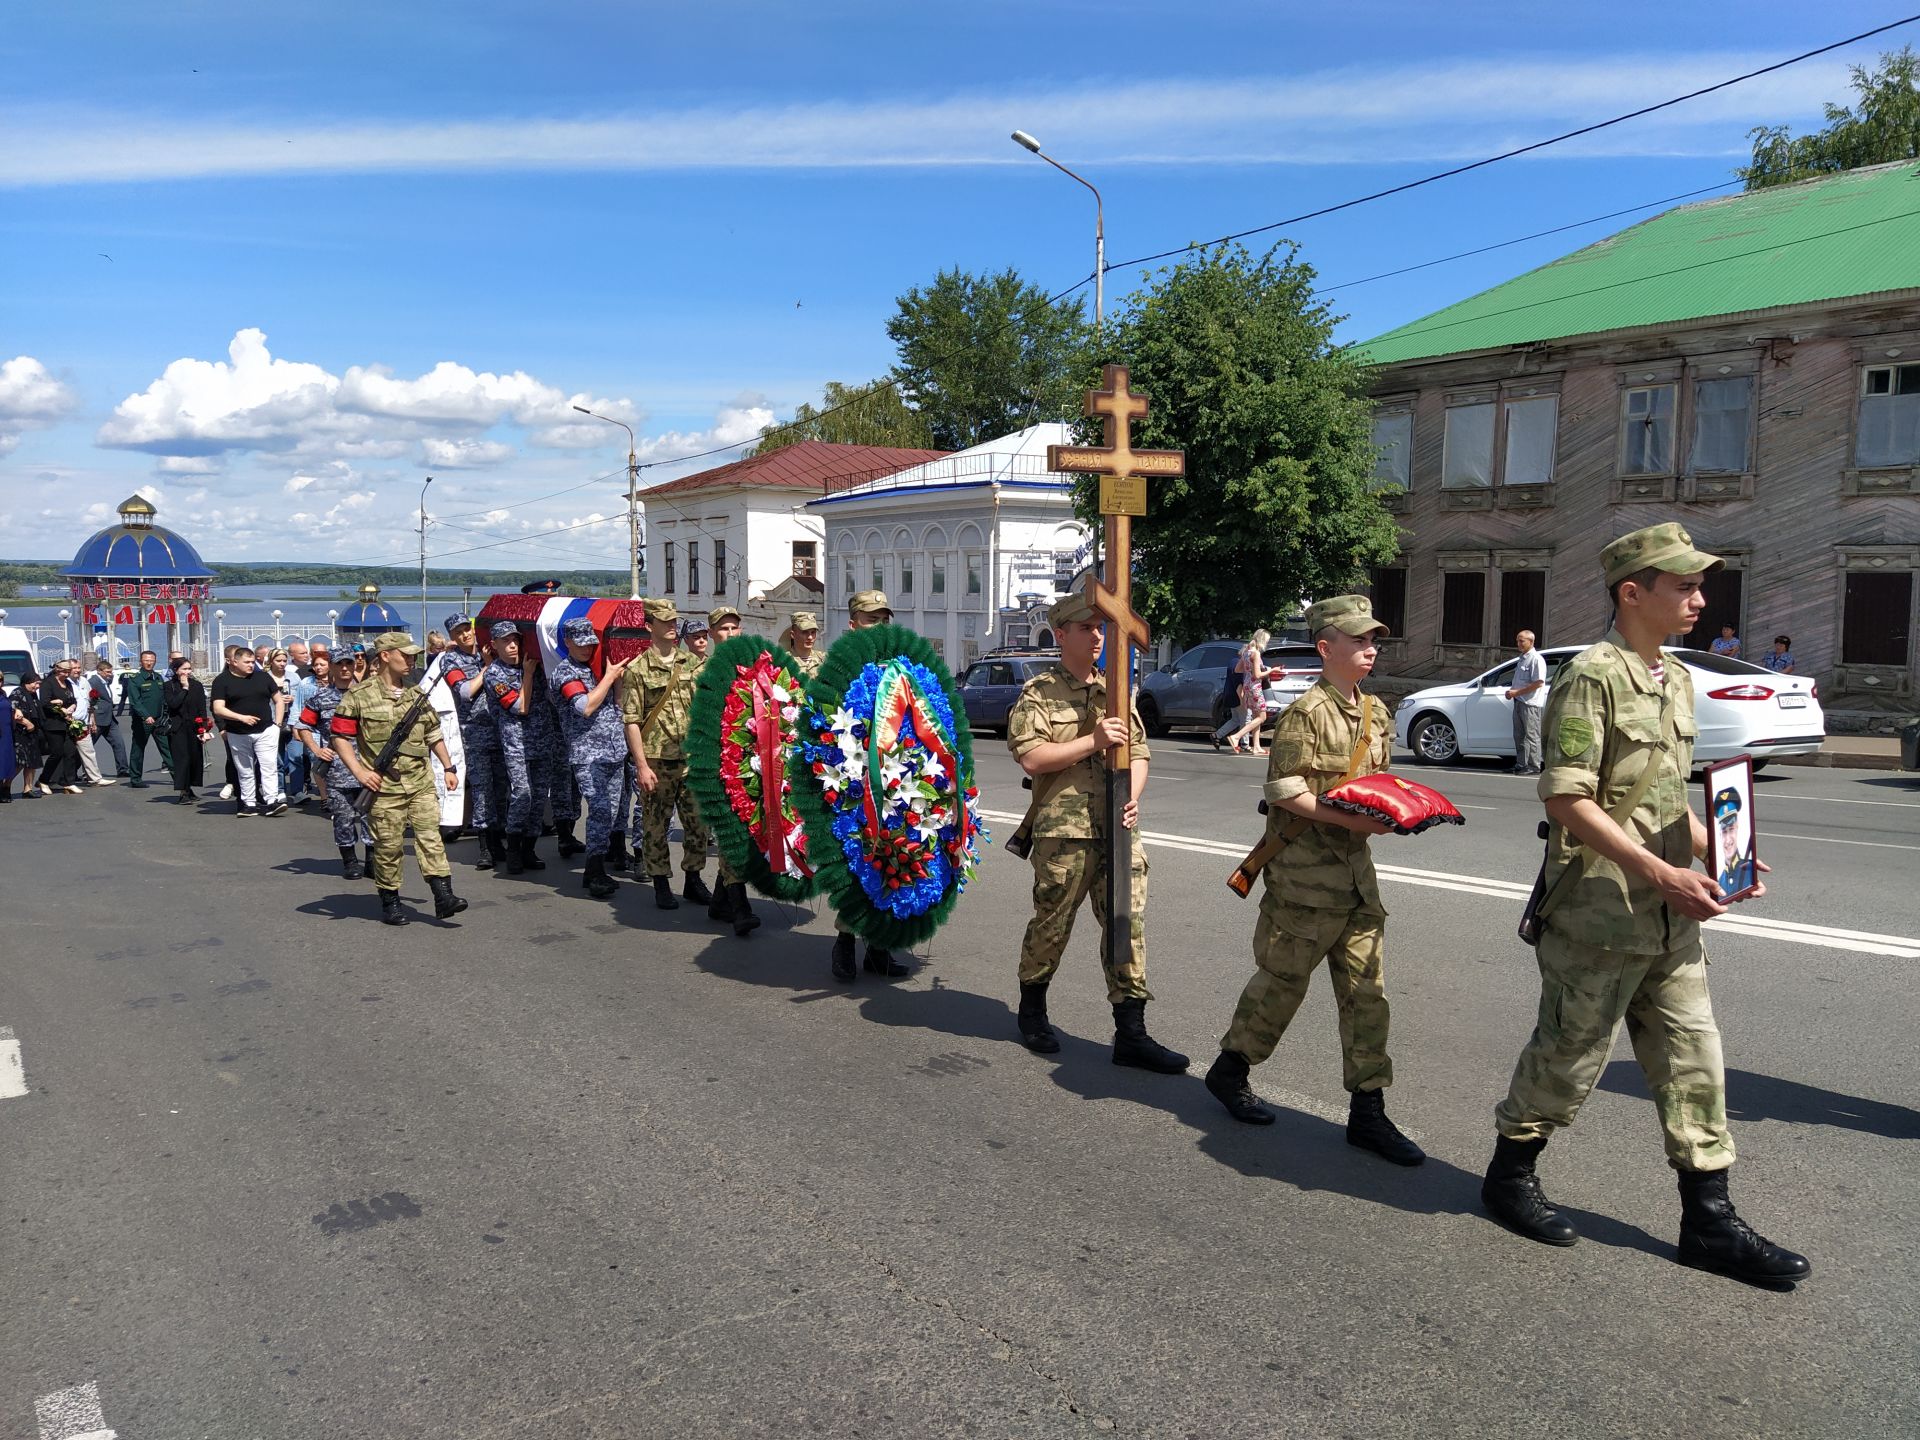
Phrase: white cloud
{"type": "Point", "coordinates": [734, 425]}
{"type": "Point", "coordinates": [1386, 114]}
{"type": "Point", "coordinates": [464, 454]}
{"type": "Point", "coordinates": [190, 464]}
{"type": "Point", "coordinates": [31, 398]}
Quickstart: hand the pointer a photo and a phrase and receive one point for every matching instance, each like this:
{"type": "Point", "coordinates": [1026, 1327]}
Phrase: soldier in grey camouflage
{"type": "Point", "coordinates": [656, 701]}
{"type": "Point", "coordinates": [1060, 732]}
{"type": "Point", "coordinates": [596, 743]}
{"type": "Point", "coordinates": [1622, 937]}
{"type": "Point", "coordinates": [1321, 899]}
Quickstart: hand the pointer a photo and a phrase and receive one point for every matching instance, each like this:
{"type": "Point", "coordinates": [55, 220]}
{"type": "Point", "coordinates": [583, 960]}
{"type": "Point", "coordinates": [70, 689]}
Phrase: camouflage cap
{"type": "Point", "coordinates": [803, 620]}
{"type": "Point", "coordinates": [579, 631]}
{"type": "Point", "coordinates": [722, 612]}
{"type": "Point", "coordinates": [870, 602]}
{"type": "Point", "coordinates": [693, 628]}
{"type": "Point", "coordinates": [503, 630]}
{"type": "Point", "coordinates": [1350, 614]}
{"type": "Point", "coordinates": [394, 640]}
{"type": "Point", "coordinates": [661, 608]}
{"type": "Point", "coordinates": [1665, 547]}
{"type": "Point", "coordinates": [454, 622]}
{"type": "Point", "coordinates": [1069, 608]}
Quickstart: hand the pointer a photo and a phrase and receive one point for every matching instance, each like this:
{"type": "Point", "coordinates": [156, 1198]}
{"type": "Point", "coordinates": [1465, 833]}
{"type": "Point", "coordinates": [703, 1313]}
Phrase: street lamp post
{"type": "Point", "coordinates": [633, 501]}
{"type": "Point", "coordinates": [66, 643]}
{"type": "Point", "coordinates": [1027, 142]}
{"type": "Point", "coordinates": [423, 560]}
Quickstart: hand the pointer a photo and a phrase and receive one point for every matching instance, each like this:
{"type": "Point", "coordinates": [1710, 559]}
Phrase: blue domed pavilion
{"type": "Point", "coordinates": [367, 618]}
{"type": "Point", "coordinates": [140, 573]}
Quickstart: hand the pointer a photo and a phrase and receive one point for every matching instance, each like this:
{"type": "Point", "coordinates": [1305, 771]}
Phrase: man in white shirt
{"type": "Point", "coordinates": [1529, 696]}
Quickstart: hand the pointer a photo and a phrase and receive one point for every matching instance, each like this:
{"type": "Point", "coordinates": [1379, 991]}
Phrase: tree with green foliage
{"type": "Point", "coordinates": [981, 356]}
{"type": "Point", "coordinates": [1236, 357]}
{"type": "Point", "coordinates": [870, 414]}
{"type": "Point", "coordinates": [1882, 126]}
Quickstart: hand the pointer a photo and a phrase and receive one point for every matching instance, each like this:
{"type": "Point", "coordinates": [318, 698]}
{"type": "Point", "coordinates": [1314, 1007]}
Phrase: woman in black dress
{"type": "Point", "coordinates": [184, 701]}
{"type": "Point", "coordinates": [28, 717]}
{"type": "Point", "coordinates": [56, 736]}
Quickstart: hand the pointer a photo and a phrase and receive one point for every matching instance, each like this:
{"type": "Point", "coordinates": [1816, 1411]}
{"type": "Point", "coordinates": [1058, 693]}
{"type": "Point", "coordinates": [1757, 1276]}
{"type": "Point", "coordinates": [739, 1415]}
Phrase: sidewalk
{"type": "Point", "coordinates": [1852, 752]}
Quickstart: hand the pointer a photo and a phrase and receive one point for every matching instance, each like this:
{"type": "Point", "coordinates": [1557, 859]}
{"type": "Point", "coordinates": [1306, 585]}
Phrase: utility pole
{"type": "Point", "coordinates": [423, 560]}
{"type": "Point", "coordinates": [633, 502]}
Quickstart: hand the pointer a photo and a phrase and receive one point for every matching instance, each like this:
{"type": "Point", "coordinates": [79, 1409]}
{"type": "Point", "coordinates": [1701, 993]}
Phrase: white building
{"type": "Point", "coordinates": [736, 532]}
{"type": "Point", "coordinates": [969, 547]}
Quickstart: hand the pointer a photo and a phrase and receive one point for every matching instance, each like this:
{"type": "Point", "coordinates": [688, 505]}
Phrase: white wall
{"type": "Point", "coordinates": [758, 526]}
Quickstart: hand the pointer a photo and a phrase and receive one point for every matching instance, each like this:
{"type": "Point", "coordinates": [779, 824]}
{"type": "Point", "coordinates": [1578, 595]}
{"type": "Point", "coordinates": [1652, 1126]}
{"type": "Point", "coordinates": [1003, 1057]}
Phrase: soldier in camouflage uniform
{"type": "Point", "coordinates": [730, 904]}
{"type": "Point", "coordinates": [463, 670]}
{"type": "Point", "coordinates": [314, 728]}
{"type": "Point", "coordinates": [596, 744]}
{"type": "Point", "coordinates": [655, 702]}
{"type": "Point", "coordinates": [1622, 936]}
{"type": "Point", "coordinates": [509, 683]}
{"type": "Point", "coordinates": [865, 610]}
{"type": "Point", "coordinates": [801, 638]}
{"type": "Point", "coordinates": [367, 717]}
{"type": "Point", "coordinates": [1060, 732]}
{"type": "Point", "coordinates": [1321, 899]}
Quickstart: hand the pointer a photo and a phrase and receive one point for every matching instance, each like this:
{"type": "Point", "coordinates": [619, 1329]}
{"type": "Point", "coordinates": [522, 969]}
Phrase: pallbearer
{"type": "Point", "coordinates": [511, 681]}
{"type": "Point", "coordinates": [595, 743]}
{"type": "Point", "coordinates": [1060, 732]}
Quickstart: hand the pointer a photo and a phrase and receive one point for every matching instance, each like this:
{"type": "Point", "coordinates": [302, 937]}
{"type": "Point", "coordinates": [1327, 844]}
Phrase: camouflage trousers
{"type": "Point", "coordinates": [1289, 942]}
{"type": "Point", "coordinates": [1585, 992]}
{"type": "Point", "coordinates": [484, 782]}
{"type": "Point", "coordinates": [599, 779]}
{"type": "Point", "coordinates": [525, 769]}
{"type": "Point", "coordinates": [1065, 872]}
{"type": "Point", "coordinates": [670, 794]}
{"type": "Point", "coordinates": [397, 808]}
{"type": "Point", "coordinates": [349, 829]}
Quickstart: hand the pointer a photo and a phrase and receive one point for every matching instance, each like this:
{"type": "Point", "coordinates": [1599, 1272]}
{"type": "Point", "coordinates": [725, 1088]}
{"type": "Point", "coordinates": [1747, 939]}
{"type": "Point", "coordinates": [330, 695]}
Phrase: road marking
{"type": "Point", "coordinates": [72, 1414]}
{"type": "Point", "coordinates": [1751, 926]}
{"type": "Point", "coordinates": [1831, 840]}
{"type": "Point", "coordinates": [1837, 800]}
{"type": "Point", "coordinates": [13, 1074]}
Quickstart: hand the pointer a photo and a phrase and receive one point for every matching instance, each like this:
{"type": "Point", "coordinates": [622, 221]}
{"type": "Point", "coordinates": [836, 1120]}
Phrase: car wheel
{"type": "Point", "coordinates": [1434, 740]}
{"type": "Point", "coordinates": [1150, 720]}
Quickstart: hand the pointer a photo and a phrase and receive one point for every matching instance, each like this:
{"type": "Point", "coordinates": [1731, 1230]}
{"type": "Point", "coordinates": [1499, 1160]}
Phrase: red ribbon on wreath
{"type": "Point", "coordinates": [766, 737]}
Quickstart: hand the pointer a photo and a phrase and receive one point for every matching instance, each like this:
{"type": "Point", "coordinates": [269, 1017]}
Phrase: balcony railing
{"type": "Point", "coordinates": [958, 469]}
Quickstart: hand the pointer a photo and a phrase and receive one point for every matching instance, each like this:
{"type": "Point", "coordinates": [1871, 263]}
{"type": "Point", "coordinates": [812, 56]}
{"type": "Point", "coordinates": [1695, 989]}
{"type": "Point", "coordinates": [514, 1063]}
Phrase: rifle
{"type": "Point", "coordinates": [389, 752]}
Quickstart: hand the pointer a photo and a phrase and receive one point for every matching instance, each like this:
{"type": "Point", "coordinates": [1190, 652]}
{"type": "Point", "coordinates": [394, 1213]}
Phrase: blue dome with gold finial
{"type": "Point", "coordinates": [368, 616]}
{"type": "Point", "coordinates": [137, 550]}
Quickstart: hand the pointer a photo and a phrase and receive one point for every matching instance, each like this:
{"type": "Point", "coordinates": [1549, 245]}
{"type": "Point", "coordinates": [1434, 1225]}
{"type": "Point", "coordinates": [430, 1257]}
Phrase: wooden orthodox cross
{"type": "Point", "coordinates": [1123, 473]}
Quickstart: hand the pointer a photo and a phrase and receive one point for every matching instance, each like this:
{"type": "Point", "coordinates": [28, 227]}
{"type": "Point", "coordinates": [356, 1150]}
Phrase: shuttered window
{"type": "Point", "coordinates": [1876, 625]}
{"type": "Point", "coordinates": [1463, 608]}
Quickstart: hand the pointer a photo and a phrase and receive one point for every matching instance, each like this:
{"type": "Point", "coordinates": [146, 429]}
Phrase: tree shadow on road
{"type": "Point", "coordinates": [1752, 1096]}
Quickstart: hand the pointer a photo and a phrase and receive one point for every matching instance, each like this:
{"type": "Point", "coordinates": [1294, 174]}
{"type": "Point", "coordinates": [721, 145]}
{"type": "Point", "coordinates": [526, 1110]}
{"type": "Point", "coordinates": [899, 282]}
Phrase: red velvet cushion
{"type": "Point", "coordinates": [1407, 805]}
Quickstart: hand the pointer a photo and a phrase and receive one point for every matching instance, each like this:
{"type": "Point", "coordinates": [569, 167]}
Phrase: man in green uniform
{"type": "Point", "coordinates": [1060, 733]}
{"type": "Point", "coordinates": [1623, 908]}
{"type": "Point", "coordinates": [656, 700]}
{"type": "Point", "coordinates": [1321, 899]}
{"type": "Point", "coordinates": [145, 715]}
{"type": "Point", "coordinates": [730, 904]}
{"type": "Point", "coordinates": [802, 641]}
{"type": "Point", "coordinates": [367, 717]}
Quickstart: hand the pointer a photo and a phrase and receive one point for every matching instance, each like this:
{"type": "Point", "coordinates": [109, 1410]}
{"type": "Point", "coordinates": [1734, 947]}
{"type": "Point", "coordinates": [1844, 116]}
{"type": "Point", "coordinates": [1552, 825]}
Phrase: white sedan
{"type": "Point", "coordinates": [1742, 709]}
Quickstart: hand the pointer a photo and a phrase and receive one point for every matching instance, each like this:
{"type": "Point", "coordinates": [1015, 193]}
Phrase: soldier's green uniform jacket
{"type": "Point", "coordinates": [142, 690]}
{"type": "Point", "coordinates": [1053, 707]}
{"type": "Point", "coordinates": [652, 677]}
{"type": "Point", "coordinates": [367, 716]}
{"type": "Point", "coordinates": [1604, 719]}
{"type": "Point", "coordinates": [1325, 867]}
{"type": "Point", "coordinates": [810, 665]}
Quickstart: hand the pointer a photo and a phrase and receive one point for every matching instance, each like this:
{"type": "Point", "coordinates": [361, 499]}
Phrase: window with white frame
{"type": "Point", "coordinates": [1466, 461]}
{"type": "Point", "coordinates": [937, 581]}
{"type": "Point", "coordinates": [849, 579]}
{"type": "Point", "coordinates": [1722, 426]}
{"type": "Point", "coordinates": [1646, 419]}
{"type": "Point", "coordinates": [719, 567]}
{"type": "Point", "coordinates": [668, 548]}
{"type": "Point", "coordinates": [1889, 416]}
{"type": "Point", "coordinates": [906, 573]}
{"type": "Point", "coordinates": [693, 567]}
{"type": "Point", "coordinates": [877, 566]}
{"type": "Point", "coordinates": [975, 576]}
{"type": "Point", "coordinates": [1393, 448]}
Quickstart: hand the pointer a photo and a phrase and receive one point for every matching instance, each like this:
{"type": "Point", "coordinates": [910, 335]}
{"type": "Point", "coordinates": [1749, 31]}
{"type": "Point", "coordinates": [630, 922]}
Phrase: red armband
{"type": "Point", "coordinates": [573, 689]}
{"type": "Point", "coordinates": [507, 696]}
{"type": "Point", "coordinates": [310, 718]}
{"type": "Point", "coordinates": [456, 677]}
{"type": "Point", "coordinates": [346, 725]}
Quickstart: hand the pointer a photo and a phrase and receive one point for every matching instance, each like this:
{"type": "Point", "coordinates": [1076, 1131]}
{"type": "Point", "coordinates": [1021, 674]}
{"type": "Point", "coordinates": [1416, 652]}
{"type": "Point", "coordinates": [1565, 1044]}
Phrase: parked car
{"type": "Point", "coordinates": [992, 683]}
{"type": "Point", "coordinates": [1192, 690]}
{"type": "Point", "coordinates": [1741, 708]}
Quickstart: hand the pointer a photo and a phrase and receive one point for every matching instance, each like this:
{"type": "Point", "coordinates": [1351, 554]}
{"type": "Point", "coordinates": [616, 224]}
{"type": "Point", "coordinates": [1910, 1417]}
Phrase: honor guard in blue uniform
{"type": "Point", "coordinates": [314, 727]}
{"type": "Point", "coordinates": [463, 670]}
{"type": "Point", "coordinates": [547, 764]}
{"type": "Point", "coordinates": [596, 742]}
{"type": "Point", "coordinates": [508, 686]}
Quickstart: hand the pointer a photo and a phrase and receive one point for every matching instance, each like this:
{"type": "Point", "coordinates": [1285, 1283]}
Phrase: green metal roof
{"type": "Point", "coordinates": [1835, 238]}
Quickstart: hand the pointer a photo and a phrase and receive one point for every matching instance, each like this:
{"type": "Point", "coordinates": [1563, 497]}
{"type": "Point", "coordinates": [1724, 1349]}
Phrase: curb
{"type": "Point", "coordinates": [1841, 760]}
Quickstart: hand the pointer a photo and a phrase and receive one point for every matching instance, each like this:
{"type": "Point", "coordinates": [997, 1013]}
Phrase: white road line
{"type": "Point", "coordinates": [1831, 840]}
{"type": "Point", "coordinates": [1773, 797]}
{"type": "Point", "coordinates": [72, 1414]}
{"type": "Point", "coordinates": [13, 1073]}
{"type": "Point", "coordinates": [1759, 927]}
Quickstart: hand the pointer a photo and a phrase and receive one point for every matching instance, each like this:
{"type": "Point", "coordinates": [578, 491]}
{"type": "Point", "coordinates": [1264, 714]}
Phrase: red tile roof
{"type": "Point", "coordinates": [804, 465]}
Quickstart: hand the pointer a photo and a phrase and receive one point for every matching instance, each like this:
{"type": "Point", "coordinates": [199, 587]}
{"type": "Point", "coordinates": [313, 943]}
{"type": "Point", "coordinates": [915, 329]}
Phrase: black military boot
{"type": "Point", "coordinates": [350, 862]}
{"type": "Point", "coordinates": [1713, 1237]}
{"type": "Point", "coordinates": [1036, 1031]}
{"type": "Point", "coordinates": [390, 911]}
{"type": "Point", "coordinates": [528, 859]}
{"type": "Point", "coordinates": [516, 853]}
{"type": "Point", "coordinates": [1512, 1194]}
{"type": "Point", "coordinates": [720, 904]}
{"type": "Point", "coordinates": [568, 845]}
{"type": "Point", "coordinates": [663, 896]}
{"type": "Point", "coordinates": [695, 888]}
{"type": "Point", "coordinates": [618, 860]}
{"type": "Point", "coordinates": [881, 962]}
{"type": "Point", "coordinates": [1369, 1128]}
{"type": "Point", "coordinates": [599, 884]}
{"type": "Point", "coordinates": [843, 957]}
{"type": "Point", "coordinates": [445, 902]}
{"type": "Point", "coordinates": [499, 848]}
{"type": "Point", "coordinates": [745, 922]}
{"type": "Point", "coordinates": [485, 839]}
{"type": "Point", "coordinates": [1227, 1080]}
{"type": "Point", "coordinates": [1133, 1046]}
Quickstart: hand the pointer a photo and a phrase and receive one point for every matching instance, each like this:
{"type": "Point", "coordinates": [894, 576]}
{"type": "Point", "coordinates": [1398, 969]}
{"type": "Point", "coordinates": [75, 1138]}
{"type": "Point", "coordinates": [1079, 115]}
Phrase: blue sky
{"type": "Point", "coordinates": [359, 244]}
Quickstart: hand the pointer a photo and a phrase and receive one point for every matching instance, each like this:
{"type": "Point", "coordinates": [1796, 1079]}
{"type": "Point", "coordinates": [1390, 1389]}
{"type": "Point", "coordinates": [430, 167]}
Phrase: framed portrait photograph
{"type": "Point", "coordinates": [1732, 827]}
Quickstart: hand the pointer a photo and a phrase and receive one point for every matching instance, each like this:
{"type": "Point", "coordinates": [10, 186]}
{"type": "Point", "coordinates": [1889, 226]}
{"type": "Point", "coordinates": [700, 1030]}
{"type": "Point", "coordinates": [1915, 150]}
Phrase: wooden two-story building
{"type": "Point", "coordinates": [1748, 366]}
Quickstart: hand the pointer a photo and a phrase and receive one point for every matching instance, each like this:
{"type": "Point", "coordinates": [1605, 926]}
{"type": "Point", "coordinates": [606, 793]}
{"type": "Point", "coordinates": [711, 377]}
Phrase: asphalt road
{"type": "Point", "coordinates": [572, 1168]}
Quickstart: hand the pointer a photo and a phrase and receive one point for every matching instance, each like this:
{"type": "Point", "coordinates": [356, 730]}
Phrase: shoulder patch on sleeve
{"type": "Point", "coordinates": [1575, 735]}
